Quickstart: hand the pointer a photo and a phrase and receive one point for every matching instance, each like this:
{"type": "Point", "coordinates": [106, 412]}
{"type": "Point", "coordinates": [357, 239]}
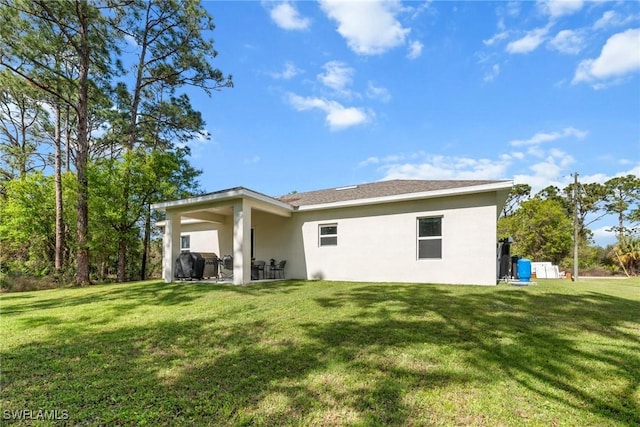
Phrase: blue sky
{"type": "Point", "coordinates": [333, 93]}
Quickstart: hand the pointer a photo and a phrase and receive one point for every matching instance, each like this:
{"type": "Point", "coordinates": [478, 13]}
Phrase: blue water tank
{"type": "Point", "coordinates": [524, 269]}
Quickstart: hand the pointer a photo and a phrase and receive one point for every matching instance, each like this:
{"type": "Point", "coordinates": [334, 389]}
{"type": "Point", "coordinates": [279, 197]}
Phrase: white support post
{"type": "Point", "coordinates": [171, 243]}
{"type": "Point", "coordinates": [241, 242]}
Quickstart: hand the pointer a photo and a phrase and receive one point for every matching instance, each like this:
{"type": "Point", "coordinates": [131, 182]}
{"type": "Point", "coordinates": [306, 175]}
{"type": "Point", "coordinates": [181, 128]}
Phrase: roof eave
{"type": "Point", "coordinates": [232, 194]}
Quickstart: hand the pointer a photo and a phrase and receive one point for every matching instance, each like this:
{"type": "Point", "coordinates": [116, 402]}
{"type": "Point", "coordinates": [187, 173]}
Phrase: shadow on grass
{"type": "Point", "coordinates": [14, 296]}
{"type": "Point", "coordinates": [178, 373]}
{"type": "Point", "coordinates": [530, 336]}
{"type": "Point", "coordinates": [334, 369]}
{"type": "Point", "coordinates": [144, 293]}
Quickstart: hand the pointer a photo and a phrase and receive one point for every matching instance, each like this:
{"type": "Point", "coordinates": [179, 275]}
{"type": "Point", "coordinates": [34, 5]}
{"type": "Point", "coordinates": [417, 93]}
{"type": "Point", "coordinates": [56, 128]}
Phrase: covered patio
{"type": "Point", "coordinates": [229, 214]}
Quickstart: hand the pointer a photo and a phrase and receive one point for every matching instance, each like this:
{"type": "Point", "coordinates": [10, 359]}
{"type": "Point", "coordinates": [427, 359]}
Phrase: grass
{"type": "Point", "coordinates": [324, 353]}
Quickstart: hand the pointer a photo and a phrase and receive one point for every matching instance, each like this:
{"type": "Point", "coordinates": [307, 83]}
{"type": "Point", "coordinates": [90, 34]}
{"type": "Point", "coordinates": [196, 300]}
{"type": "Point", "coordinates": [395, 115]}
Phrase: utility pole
{"type": "Point", "coordinates": [575, 226]}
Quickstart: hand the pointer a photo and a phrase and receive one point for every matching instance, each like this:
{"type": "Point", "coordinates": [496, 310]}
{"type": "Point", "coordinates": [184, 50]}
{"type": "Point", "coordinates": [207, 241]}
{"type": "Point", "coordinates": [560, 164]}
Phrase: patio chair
{"type": "Point", "coordinates": [259, 267]}
{"type": "Point", "coordinates": [277, 270]}
{"type": "Point", "coordinates": [227, 264]}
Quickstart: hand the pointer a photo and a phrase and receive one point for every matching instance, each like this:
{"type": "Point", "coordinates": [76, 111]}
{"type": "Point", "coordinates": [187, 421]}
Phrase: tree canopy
{"type": "Point", "coordinates": [62, 81]}
{"type": "Point", "coordinates": [542, 224]}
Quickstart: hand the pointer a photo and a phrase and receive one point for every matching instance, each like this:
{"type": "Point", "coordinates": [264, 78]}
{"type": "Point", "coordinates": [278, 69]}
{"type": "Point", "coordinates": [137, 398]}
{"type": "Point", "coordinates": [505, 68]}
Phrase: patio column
{"type": "Point", "coordinates": [241, 242]}
{"type": "Point", "coordinates": [171, 243]}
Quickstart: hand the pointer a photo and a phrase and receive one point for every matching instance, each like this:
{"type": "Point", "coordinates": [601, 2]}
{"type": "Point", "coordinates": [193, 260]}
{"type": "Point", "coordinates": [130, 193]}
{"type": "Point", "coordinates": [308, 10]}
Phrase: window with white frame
{"type": "Point", "coordinates": [328, 235]}
{"type": "Point", "coordinates": [430, 238]}
{"type": "Point", "coordinates": [185, 242]}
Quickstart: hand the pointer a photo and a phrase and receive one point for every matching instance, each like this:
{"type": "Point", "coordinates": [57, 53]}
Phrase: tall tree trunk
{"type": "Point", "coordinates": [620, 225]}
{"type": "Point", "coordinates": [131, 140]}
{"type": "Point", "coordinates": [59, 248]}
{"type": "Point", "coordinates": [123, 229]}
{"type": "Point", "coordinates": [67, 139]}
{"type": "Point", "coordinates": [82, 258]}
{"type": "Point", "coordinates": [147, 239]}
{"type": "Point", "coordinates": [22, 171]}
{"type": "Point", "coordinates": [122, 259]}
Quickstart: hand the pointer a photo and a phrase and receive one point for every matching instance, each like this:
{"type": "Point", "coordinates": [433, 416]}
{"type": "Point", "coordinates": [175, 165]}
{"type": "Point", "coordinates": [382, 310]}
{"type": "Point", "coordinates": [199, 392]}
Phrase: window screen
{"type": "Point", "coordinates": [185, 242]}
{"type": "Point", "coordinates": [329, 235]}
{"type": "Point", "coordinates": [430, 238]}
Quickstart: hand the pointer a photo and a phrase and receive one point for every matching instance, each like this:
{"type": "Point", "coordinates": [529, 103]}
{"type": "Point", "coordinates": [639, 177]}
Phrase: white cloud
{"type": "Point", "coordinates": [557, 8]}
{"type": "Point", "coordinates": [567, 41]}
{"type": "Point", "coordinates": [552, 169]}
{"type": "Point", "coordinates": [601, 178]}
{"type": "Point", "coordinates": [337, 116]}
{"type": "Point", "coordinates": [535, 151]}
{"type": "Point", "coordinates": [427, 166]}
{"type": "Point", "coordinates": [611, 18]}
{"type": "Point", "coordinates": [131, 41]}
{"type": "Point", "coordinates": [492, 74]}
{"type": "Point", "coordinates": [415, 50]}
{"type": "Point", "coordinates": [441, 167]}
{"type": "Point", "coordinates": [604, 235]}
{"type": "Point", "coordinates": [289, 71]}
{"type": "Point", "coordinates": [513, 8]}
{"type": "Point", "coordinates": [496, 38]}
{"type": "Point", "coordinates": [286, 16]}
{"type": "Point", "coordinates": [598, 177]}
{"type": "Point", "coordinates": [378, 92]}
{"type": "Point", "coordinates": [416, 11]}
{"type": "Point", "coordinates": [633, 171]}
{"type": "Point", "coordinates": [555, 169]}
{"type": "Point", "coordinates": [373, 160]}
{"type": "Point", "coordinates": [619, 56]}
{"type": "Point", "coordinates": [337, 76]}
{"type": "Point", "coordinates": [606, 20]}
{"type": "Point", "coordinates": [542, 137]}
{"type": "Point", "coordinates": [529, 42]}
{"type": "Point", "coordinates": [369, 27]}
{"type": "Point", "coordinates": [392, 158]}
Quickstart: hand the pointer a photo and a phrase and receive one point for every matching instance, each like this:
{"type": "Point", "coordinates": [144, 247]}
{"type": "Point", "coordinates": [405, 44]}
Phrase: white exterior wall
{"type": "Point", "coordinates": [272, 236]}
{"type": "Point", "coordinates": [378, 244]}
{"type": "Point", "coordinates": [205, 238]}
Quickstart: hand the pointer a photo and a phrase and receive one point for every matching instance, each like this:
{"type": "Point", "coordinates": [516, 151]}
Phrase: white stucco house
{"type": "Point", "coordinates": [390, 231]}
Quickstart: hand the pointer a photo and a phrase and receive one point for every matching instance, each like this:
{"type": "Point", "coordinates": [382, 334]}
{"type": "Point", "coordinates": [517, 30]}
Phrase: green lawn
{"type": "Point", "coordinates": [325, 353]}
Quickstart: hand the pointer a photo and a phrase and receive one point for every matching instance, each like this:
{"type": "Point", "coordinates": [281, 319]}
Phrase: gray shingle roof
{"type": "Point", "coordinates": [375, 189]}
